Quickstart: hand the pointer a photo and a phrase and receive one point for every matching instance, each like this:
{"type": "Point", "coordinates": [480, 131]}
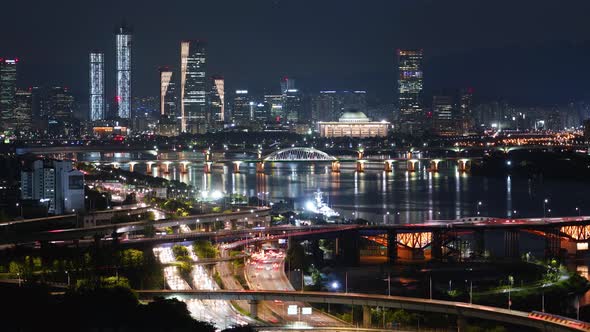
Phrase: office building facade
{"type": "Point", "coordinates": [410, 84]}
{"type": "Point", "coordinates": [97, 87]}
{"type": "Point", "coordinates": [8, 70]}
{"type": "Point", "coordinates": [124, 42]}
{"type": "Point", "coordinates": [217, 100]}
{"type": "Point", "coordinates": [194, 115]}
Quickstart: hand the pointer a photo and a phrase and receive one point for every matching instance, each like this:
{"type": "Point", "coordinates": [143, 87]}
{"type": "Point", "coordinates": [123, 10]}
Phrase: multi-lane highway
{"type": "Point", "coordinates": [265, 271]}
{"type": "Point", "coordinates": [218, 312]}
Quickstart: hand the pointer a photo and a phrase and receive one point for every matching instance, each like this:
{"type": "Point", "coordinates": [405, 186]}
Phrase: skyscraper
{"type": "Point", "coordinates": [242, 108]}
{"type": "Point", "coordinates": [444, 119]}
{"type": "Point", "coordinates": [193, 87]}
{"type": "Point", "coordinates": [466, 110]}
{"type": "Point", "coordinates": [97, 100]}
{"type": "Point", "coordinates": [7, 90]}
{"type": "Point", "coordinates": [410, 91]}
{"type": "Point", "coordinates": [217, 99]}
{"type": "Point", "coordinates": [60, 104]}
{"type": "Point", "coordinates": [23, 111]}
{"type": "Point", "coordinates": [167, 94]}
{"type": "Point", "coordinates": [124, 42]}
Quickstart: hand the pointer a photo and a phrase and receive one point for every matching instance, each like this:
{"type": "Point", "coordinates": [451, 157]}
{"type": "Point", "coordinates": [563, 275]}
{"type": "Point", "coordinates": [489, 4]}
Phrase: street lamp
{"type": "Point", "coordinates": [545, 201]}
{"type": "Point", "coordinates": [479, 203]}
{"type": "Point", "coordinates": [579, 211]}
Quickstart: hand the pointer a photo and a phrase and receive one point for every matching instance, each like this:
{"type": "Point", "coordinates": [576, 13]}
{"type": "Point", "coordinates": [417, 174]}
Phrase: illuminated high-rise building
{"type": "Point", "coordinates": [167, 94]}
{"type": "Point", "coordinates": [7, 90]}
{"type": "Point", "coordinates": [193, 87]}
{"type": "Point", "coordinates": [275, 104]}
{"type": "Point", "coordinates": [242, 108]}
{"type": "Point", "coordinates": [124, 43]}
{"type": "Point", "coordinates": [287, 84]}
{"type": "Point", "coordinates": [410, 91]}
{"type": "Point", "coordinates": [97, 100]}
{"type": "Point", "coordinates": [466, 110]}
{"type": "Point", "coordinates": [443, 116]}
{"type": "Point", "coordinates": [217, 100]}
{"type": "Point", "coordinates": [23, 110]}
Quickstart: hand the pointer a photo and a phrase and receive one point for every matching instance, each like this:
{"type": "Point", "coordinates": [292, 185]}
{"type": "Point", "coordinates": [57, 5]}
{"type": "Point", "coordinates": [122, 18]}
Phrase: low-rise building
{"type": "Point", "coordinates": [354, 124]}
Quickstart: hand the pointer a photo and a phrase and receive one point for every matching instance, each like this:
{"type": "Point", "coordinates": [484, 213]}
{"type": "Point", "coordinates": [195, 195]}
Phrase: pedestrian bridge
{"type": "Point", "coordinates": [459, 309]}
{"type": "Point", "coordinates": [298, 154]}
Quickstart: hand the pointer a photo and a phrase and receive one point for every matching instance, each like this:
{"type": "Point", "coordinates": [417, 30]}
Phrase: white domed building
{"type": "Point", "coordinates": [353, 124]}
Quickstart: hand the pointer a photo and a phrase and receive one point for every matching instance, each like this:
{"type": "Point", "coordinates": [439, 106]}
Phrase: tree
{"type": "Point", "coordinates": [296, 256]}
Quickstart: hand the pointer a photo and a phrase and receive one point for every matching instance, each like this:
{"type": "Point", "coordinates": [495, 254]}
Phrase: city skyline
{"type": "Point", "coordinates": [468, 56]}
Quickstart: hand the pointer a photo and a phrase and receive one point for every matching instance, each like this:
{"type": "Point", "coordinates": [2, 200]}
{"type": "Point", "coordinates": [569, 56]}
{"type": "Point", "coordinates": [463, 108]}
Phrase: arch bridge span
{"type": "Point", "coordinates": [298, 154]}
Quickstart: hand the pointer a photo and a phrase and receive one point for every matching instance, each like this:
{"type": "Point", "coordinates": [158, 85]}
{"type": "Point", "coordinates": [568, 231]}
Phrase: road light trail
{"type": "Point", "coordinates": [217, 312]}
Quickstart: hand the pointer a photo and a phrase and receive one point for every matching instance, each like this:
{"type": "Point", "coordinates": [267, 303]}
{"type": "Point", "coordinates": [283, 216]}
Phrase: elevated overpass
{"type": "Point", "coordinates": [459, 309]}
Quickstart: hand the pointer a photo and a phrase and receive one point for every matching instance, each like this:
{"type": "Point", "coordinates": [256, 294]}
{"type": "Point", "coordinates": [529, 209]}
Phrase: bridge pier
{"type": "Point", "coordinates": [436, 245]}
{"type": "Point", "coordinates": [336, 166]}
{"type": "Point", "coordinates": [132, 166]}
{"type": "Point", "coordinates": [461, 324]}
{"type": "Point", "coordinates": [167, 167]}
{"type": "Point", "coordinates": [511, 245]}
{"type": "Point", "coordinates": [367, 317]}
{"type": "Point", "coordinates": [479, 242]}
{"type": "Point", "coordinates": [149, 166]}
{"type": "Point", "coordinates": [184, 167]}
{"type": "Point", "coordinates": [348, 244]}
{"type": "Point", "coordinates": [207, 155]}
{"type": "Point", "coordinates": [360, 166]}
{"type": "Point", "coordinates": [388, 166]}
{"type": "Point", "coordinates": [253, 308]}
{"type": "Point", "coordinates": [434, 165]}
{"type": "Point", "coordinates": [391, 245]}
{"type": "Point", "coordinates": [412, 165]}
{"type": "Point", "coordinates": [552, 243]}
{"type": "Point", "coordinates": [207, 167]}
{"type": "Point", "coordinates": [260, 167]}
{"type": "Point", "coordinates": [360, 153]}
{"type": "Point", "coordinates": [463, 165]}
{"type": "Point", "coordinates": [237, 166]}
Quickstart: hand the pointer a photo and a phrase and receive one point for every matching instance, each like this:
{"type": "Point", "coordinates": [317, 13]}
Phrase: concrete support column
{"type": "Point", "coordinates": [349, 247]}
{"type": "Point", "coordinates": [511, 243]}
{"type": "Point", "coordinates": [461, 324]}
{"type": "Point", "coordinates": [434, 165]}
{"type": "Point", "coordinates": [253, 308]}
{"type": "Point", "coordinates": [149, 166]}
{"type": "Point", "coordinates": [207, 155]}
{"type": "Point", "coordinates": [207, 167]}
{"type": "Point", "coordinates": [360, 166]}
{"type": "Point", "coordinates": [259, 154]}
{"type": "Point", "coordinates": [184, 166]}
{"type": "Point", "coordinates": [412, 165]}
{"type": "Point", "coordinates": [388, 166]}
{"type": "Point", "coordinates": [463, 165]}
{"type": "Point", "coordinates": [479, 244]}
{"type": "Point", "coordinates": [391, 245]}
{"type": "Point", "coordinates": [336, 166]}
{"type": "Point", "coordinates": [260, 167]}
{"type": "Point", "coordinates": [552, 243]}
{"type": "Point", "coordinates": [167, 167]}
{"type": "Point", "coordinates": [367, 317]}
{"type": "Point", "coordinates": [132, 166]}
{"type": "Point", "coordinates": [237, 166]}
{"type": "Point", "coordinates": [436, 245]}
{"type": "Point", "coordinates": [361, 153]}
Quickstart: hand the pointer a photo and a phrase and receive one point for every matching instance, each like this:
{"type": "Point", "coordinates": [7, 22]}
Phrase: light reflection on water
{"type": "Point", "coordinates": [409, 197]}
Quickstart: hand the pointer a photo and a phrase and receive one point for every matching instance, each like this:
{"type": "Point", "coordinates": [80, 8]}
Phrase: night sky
{"type": "Point", "coordinates": [524, 51]}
